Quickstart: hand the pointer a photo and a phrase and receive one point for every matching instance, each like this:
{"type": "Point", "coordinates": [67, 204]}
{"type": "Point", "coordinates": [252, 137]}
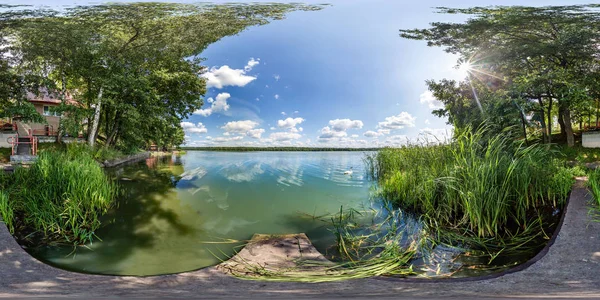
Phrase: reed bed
{"type": "Point", "coordinates": [60, 198]}
{"type": "Point", "coordinates": [491, 192]}
{"type": "Point", "coordinates": [594, 186]}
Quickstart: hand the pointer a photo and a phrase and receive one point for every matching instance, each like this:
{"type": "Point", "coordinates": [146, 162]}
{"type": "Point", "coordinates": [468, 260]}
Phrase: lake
{"type": "Point", "coordinates": [182, 213]}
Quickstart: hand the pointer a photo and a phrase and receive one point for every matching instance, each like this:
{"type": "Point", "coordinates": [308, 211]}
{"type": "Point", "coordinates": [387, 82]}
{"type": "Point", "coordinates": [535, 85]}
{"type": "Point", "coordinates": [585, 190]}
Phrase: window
{"type": "Point", "coordinates": [47, 112]}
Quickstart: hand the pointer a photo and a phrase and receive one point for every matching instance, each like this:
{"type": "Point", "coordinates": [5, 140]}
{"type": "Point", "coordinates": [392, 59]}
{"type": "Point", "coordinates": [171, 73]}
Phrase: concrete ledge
{"type": "Point", "coordinates": [22, 159]}
{"type": "Point", "coordinates": [275, 253]}
{"type": "Point", "coordinates": [123, 160]}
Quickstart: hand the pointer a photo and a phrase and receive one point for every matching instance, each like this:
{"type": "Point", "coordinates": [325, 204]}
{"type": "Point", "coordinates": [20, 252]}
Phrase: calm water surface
{"type": "Point", "coordinates": [184, 213]}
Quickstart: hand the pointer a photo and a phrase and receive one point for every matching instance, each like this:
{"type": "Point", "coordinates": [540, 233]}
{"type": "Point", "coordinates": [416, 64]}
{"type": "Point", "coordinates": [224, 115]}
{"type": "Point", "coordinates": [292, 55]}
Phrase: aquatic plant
{"type": "Point", "coordinates": [61, 197]}
{"type": "Point", "coordinates": [493, 192]}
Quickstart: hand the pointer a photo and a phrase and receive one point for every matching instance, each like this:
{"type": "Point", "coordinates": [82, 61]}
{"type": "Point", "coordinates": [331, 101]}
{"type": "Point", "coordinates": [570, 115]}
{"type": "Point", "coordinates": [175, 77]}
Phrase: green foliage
{"type": "Point", "coordinates": [594, 186]}
{"type": "Point", "coordinates": [6, 212]}
{"type": "Point", "coordinates": [61, 196]}
{"type": "Point", "coordinates": [483, 188]}
{"type": "Point", "coordinates": [137, 63]}
{"type": "Point", "coordinates": [541, 57]}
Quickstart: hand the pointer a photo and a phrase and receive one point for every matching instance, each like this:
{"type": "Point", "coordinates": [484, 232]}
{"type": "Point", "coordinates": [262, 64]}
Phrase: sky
{"type": "Point", "coordinates": [338, 77]}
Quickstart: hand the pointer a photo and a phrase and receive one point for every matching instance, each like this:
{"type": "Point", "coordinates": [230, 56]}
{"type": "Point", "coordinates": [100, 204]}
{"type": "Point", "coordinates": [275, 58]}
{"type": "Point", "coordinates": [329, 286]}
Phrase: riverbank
{"type": "Point", "coordinates": [123, 160]}
{"type": "Point", "coordinates": [564, 272]}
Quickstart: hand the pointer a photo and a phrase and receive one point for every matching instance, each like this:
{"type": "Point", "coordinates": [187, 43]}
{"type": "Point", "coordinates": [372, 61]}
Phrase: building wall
{"type": "Point", "coordinates": [590, 139]}
{"type": "Point", "coordinates": [53, 121]}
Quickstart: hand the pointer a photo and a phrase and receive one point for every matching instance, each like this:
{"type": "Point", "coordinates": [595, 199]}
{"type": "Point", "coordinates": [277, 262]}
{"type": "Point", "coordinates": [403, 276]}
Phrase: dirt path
{"type": "Point", "coordinates": [570, 269]}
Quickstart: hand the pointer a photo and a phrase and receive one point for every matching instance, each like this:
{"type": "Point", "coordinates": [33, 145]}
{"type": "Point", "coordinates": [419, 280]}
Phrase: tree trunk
{"type": "Point", "coordinates": [543, 121]}
{"type": "Point", "coordinates": [549, 116]}
{"type": "Point", "coordinates": [94, 130]}
{"type": "Point", "coordinates": [561, 122]}
{"type": "Point", "coordinates": [59, 130]}
{"type": "Point", "coordinates": [568, 127]}
{"type": "Point", "coordinates": [597, 111]}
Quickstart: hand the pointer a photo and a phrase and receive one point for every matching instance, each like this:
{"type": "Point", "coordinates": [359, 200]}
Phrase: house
{"type": "Point", "coordinates": [43, 102]}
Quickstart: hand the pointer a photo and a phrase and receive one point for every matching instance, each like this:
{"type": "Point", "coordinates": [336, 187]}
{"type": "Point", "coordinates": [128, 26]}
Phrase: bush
{"type": "Point", "coordinates": [61, 196]}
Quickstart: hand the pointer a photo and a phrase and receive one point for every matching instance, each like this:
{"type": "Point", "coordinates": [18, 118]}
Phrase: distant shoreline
{"type": "Point", "coordinates": [281, 149]}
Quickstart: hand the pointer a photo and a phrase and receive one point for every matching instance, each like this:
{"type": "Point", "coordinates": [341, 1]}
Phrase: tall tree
{"type": "Point", "coordinates": [560, 43]}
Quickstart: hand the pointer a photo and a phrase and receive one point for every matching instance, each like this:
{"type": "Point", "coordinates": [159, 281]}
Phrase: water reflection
{"type": "Point", "coordinates": [175, 212]}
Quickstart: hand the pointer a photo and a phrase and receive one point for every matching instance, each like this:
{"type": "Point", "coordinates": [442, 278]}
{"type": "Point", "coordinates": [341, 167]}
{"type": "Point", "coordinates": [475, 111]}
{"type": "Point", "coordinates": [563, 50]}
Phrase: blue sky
{"type": "Point", "coordinates": [341, 76]}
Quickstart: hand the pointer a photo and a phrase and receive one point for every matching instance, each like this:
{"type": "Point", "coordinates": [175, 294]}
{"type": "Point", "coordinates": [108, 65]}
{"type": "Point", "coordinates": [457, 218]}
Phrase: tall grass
{"type": "Point", "coordinates": [490, 192]}
{"type": "Point", "coordinates": [594, 186]}
{"type": "Point", "coordinates": [61, 196]}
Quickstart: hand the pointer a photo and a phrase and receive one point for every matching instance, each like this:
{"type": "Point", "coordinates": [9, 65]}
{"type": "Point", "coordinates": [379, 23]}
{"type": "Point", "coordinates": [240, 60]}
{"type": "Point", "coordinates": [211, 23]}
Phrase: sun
{"type": "Point", "coordinates": [465, 68]}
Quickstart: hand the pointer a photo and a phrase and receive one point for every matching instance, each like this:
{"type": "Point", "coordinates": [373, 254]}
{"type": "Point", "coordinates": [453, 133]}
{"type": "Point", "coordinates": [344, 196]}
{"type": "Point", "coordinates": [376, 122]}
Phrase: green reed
{"type": "Point", "coordinates": [491, 193]}
{"type": "Point", "coordinates": [61, 196]}
{"type": "Point", "coordinates": [594, 186]}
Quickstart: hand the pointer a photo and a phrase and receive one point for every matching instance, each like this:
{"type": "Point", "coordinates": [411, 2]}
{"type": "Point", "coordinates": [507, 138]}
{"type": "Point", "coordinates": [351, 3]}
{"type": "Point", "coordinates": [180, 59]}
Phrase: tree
{"type": "Point", "coordinates": [134, 68]}
{"type": "Point", "coordinates": [555, 46]}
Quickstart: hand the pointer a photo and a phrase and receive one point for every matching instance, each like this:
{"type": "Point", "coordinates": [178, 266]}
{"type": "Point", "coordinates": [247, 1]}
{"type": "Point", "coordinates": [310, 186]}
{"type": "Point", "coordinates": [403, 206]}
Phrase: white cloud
{"type": "Point", "coordinates": [397, 140]}
{"type": "Point", "coordinates": [437, 134]}
{"type": "Point", "coordinates": [276, 96]}
{"type": "Point", "coordinates": [276, 76]}
{"type": "Point", "coordinates": [427, 121]}
{"type": "Point", "coordinates": [226, 76]}
{"type": "Point", "coordinates": [296, 111]}
{"type": "Point", "coordinates": [218, 105]}
{"type": "Point", "coordinates": [272, 128]}
{"type": "Point", "coordinates": [428, 98]}
{"type": "Point", "coordinates": [284, 136]}
{"type": "Point", "coordinates": [239, 127]}
{"type": "Point", "coordinates": [225, 139]}
{"type": "Point", "coordinates": [255, 133]}
{"type": "Point", "coordinates": [379, 132]}
{"type": "Point", "coordinates": [345, 124]}
{"type": "Point", "coordinates": [190, 127]}
{"type": "Point", "coordinates": [289, 123]}
{"type": "Point", "coordinates": [400, 121]}
{"type": "Point", "coordinates": [354, 136]}
{"type": "Point", "coordinates": [327, 133]}
{"type": "Point", "coordinates": [283, 113]}
{"type": "Point", "coordinates": [251, 63]}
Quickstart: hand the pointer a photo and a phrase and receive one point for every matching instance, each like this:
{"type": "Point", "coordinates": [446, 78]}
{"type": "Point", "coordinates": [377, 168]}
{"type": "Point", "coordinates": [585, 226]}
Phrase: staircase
{"type": "Point", "coordinates": [23, 147]}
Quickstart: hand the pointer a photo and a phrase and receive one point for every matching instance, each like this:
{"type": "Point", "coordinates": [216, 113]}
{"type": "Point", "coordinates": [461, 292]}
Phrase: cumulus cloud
{"type": "Point", "coordinates": [400, 121]}
{"type": "Point", "coordinates": [379, 132]}
{"type": "Point", "coordinates": [239, 127]}
{"type": "Point", "coordinates": [345, 124]}
{"type": "Point", "coordinates": [289, 123]}
{"type": "Point", "coordinates": [251, 63]}
{"type": "Point", "coordinates": [190, 127]}
{"type": "Point", "coordinates": [437, 134]}
{"type": "Point", "coordinates": [255, 133]}
{"type": "Point", "coordinates": [226, 76]}
{"type": "Point", "coordinates": [225, 139]}
{"type": "Point", "coordinates": [428, 98]}
{"type": "Point", "coordinates": [283, 113]}
{"type": "Point", "coordinates": [328, 133]}
{"type": "Point", "coordinates": [277, 77]}
{"type": "Point", "coordinates": [284, 136]}
{"type": "Point", "coordinates": [218, 105]}
{"type": "Point", "coordinates": [276, 96]}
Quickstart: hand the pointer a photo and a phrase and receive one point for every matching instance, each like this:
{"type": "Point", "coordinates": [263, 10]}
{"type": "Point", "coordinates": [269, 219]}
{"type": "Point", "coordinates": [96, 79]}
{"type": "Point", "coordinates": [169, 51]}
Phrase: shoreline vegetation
{"type": "Point", "coordinates": [59, 199]}
{"type": "Point", "coordinates": [492, 192]}
{"type": "Point", "coordinates": [282, 149]}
